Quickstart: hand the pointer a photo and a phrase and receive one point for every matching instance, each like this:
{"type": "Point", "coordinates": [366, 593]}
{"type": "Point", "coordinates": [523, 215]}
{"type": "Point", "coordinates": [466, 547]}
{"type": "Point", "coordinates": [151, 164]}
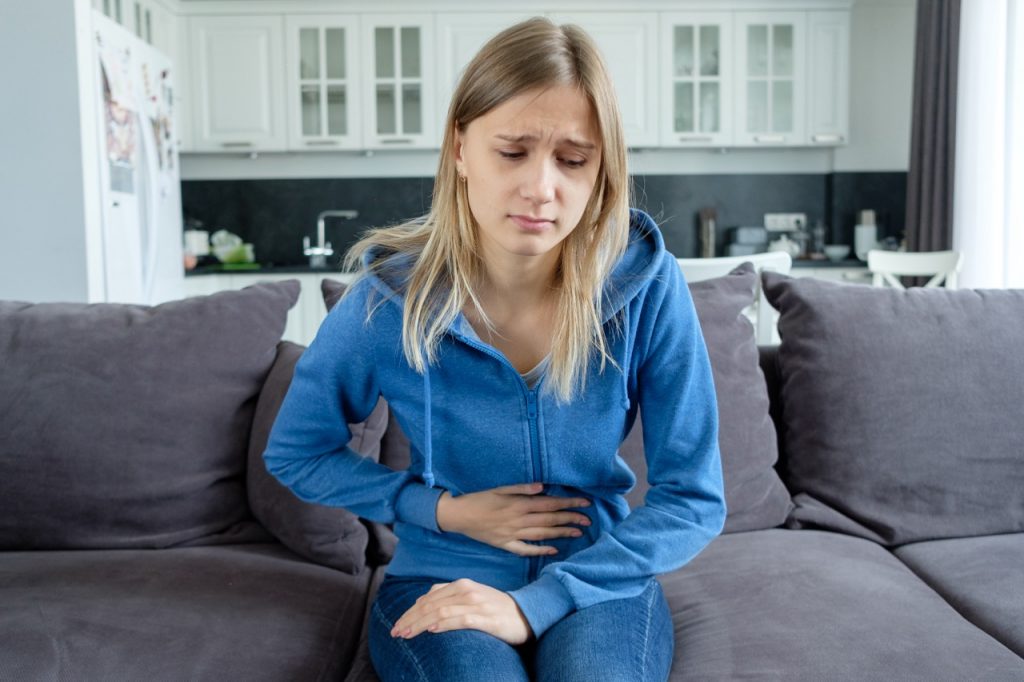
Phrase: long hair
{"type": "Point", "coordinates": [444, 246]}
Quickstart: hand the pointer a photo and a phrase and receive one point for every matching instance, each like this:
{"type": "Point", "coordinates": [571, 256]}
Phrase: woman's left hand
{"type": "Point", "coordinates": [465, 605]}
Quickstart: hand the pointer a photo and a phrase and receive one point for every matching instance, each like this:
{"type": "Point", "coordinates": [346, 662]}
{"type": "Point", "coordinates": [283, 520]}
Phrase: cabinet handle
{"type": "Point", "coordinates": [827, 138]}
{"type": "Point", "coordinates": [321, 143]}
{"type": "Point", "coordinates": [397, 141]}
{"type": "Point", "coordinates": [235, 144]}
{"type": "Point", "coordinates": [769, 138]}
{"type": "Point", "coordinates": [696, 139]}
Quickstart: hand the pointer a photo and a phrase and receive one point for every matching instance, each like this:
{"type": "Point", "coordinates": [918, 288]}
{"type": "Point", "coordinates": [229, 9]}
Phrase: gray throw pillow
{"type": "Point", "coordinates": [126, 426]}
{"type": "Point", "coordinates": [901, 409]}
{"type": "Point", "coordinates": [755, 495]}
{"type": "Point", "coordinates": [332, 536]}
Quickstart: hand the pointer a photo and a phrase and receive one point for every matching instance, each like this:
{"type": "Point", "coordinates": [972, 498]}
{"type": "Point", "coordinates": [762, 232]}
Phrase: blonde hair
{"type": "Point", "coordinates": [443, 245]}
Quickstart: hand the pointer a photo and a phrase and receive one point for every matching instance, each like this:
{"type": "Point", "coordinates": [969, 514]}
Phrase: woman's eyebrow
{"type": "Point", "coordinates": [579, 144]}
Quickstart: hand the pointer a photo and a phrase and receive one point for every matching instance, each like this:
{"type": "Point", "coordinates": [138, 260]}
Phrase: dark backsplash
{"type": "Point", "coordinates": [275, 214]}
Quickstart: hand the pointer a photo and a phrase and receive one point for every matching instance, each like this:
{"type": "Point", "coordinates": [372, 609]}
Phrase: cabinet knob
{"type": "Point", "coordinates": [826, 138]}
{"type": "Point", "coordinates": [235, 145]}
{"type": "Point", "coordinates": [691, 138]}
{"type": "Point", "coordinates": [769, 138]}
{"type": "Point", "coordinates": [396, 141]}
{"type": "Point", "coordinates": [321, 143]}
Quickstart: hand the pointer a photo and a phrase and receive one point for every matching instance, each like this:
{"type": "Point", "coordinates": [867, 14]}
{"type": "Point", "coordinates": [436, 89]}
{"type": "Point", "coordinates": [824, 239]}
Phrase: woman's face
{"type": "Point", "coordinates": [530, 166]}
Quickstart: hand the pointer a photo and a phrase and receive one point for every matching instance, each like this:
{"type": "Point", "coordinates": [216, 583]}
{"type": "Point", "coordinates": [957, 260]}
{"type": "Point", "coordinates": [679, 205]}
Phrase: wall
{"type": "Point", "coordinates": [45, 250]}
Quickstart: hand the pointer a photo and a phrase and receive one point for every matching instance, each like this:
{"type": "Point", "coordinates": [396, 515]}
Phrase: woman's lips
{"type": "Point", "coordinates": [532, 224]}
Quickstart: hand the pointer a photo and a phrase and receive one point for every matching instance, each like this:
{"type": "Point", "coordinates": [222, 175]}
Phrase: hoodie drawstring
{"type": "Point", "coordinates": [628, 345]}
{"type": "Point", "coordinates": [428, 450]}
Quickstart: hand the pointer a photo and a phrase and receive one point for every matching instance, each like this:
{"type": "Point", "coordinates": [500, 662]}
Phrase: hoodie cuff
{"type": "Point", "coordinates": [544, 602]}
{"type": "Point", "coordinates": [417, 504]}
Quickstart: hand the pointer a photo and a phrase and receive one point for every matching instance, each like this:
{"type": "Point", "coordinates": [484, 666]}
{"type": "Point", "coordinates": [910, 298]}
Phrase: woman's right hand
{"type": "Point", "coordinates": [504, 517]}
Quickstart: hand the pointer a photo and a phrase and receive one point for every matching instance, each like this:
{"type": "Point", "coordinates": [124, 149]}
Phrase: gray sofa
{"type": "Point", "coordinates": [873, 462]}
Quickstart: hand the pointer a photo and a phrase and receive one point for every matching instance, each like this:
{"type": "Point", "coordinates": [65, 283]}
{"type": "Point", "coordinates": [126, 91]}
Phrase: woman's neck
{"type": "Point", "coordinates": [514, 284]}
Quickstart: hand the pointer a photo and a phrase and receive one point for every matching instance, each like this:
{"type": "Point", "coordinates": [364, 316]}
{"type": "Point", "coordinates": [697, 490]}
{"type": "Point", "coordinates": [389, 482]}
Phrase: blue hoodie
{"type": "Point", "coordinates": [474, 424]}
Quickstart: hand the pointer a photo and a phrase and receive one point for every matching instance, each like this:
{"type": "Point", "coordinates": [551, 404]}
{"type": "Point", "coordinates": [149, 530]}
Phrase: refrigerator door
{"type": "Point", "coordinates": [141, 200]}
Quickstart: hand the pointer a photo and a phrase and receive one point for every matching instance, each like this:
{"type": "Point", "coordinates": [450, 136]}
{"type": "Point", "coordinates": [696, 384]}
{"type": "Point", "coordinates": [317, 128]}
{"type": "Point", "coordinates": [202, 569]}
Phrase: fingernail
{"type": "Point", "coordinates": [552, 551]}
{"type": "Point", "coordinates": [576, 533]}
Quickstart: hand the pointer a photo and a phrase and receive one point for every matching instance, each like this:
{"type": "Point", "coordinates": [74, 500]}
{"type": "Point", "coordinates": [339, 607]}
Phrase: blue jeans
{"type": "Point", "coordinates": [623, 639]}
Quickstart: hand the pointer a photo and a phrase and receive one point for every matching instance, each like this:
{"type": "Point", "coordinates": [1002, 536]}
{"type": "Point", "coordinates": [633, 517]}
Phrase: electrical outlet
{"type": "Point", "coordinates": [784, 222]}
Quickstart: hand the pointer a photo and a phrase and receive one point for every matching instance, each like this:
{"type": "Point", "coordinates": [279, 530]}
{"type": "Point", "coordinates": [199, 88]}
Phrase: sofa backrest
{"type": "Point", "coordinates": [901, 410]}
{"type": "Point", "coordinates": [126, 426]}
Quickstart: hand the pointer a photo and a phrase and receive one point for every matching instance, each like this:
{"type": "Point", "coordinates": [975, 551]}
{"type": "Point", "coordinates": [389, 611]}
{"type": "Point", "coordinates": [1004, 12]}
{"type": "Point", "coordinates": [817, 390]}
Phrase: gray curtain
{"type": "Point", "coordinates": [929, 218]}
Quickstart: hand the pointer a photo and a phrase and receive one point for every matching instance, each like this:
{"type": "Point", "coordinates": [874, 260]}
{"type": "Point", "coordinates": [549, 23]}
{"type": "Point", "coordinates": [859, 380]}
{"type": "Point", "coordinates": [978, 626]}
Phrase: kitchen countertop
{"type": "Point", "coordinates": [336, 270]}
{"type": "Point", "coordinates": [845, 263]}
{"type": "Point", "coordinates": [262, 269]}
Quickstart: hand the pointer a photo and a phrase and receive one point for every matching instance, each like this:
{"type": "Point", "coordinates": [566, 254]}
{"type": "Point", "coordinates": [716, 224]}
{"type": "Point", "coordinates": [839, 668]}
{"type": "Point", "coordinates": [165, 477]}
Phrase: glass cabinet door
{"type": "Point", "coordinates": [321, 82]}
{"type": "Point", "coordinates": [697, 55]}
{"type": "Point", "coordinates": [399, 113]}
{"type": "Point", "coordinates": [770, 90]}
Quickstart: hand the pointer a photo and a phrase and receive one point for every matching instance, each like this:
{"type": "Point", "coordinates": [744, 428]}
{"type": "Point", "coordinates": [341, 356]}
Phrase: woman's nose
{"type": "Point", "coordinates": [538, 183]}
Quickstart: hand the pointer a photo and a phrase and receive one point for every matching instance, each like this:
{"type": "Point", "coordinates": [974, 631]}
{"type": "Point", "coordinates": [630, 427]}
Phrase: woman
{"type": "Point", "coordinates": [514, 332]}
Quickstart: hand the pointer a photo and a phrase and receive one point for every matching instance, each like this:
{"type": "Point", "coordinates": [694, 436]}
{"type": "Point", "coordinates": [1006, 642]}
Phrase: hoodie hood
{"type": "Point", "coordinates": [629, 277]}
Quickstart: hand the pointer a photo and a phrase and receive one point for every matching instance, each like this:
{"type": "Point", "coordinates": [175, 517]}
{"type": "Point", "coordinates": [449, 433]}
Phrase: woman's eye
{"type": "Point", "coordinates": [511, 155]}
{"type": "Point", "coordinates": [574, 163]}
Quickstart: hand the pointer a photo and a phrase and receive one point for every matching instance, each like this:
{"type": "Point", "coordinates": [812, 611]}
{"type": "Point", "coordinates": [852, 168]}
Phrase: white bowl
{"type": "Point", "coordinates": [837, 252]}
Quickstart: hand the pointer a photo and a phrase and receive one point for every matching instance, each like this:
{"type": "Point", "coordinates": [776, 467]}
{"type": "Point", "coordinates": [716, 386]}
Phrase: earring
{"type": "Point", "coordinates": [462, 177]}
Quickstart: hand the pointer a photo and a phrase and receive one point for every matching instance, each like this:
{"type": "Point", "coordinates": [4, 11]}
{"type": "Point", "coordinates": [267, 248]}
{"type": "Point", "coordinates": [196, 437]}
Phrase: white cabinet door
{"type": "Point", "coordinates": [459, 37]}
{"type": "Point", "coordinates": [400, 83]}
{"type": "Point", "coordinates": [628, 41]}
{"type": "Point", "coordinates": [238, 83]}
{"type": "Point", "coordinates": [697, 79]}
{"type": "Point", "coordinates": [322, 82]}
{"type": "Point", "coordinates": [828, 78]}
{"type": "Point", "coordinates": [770, 99]}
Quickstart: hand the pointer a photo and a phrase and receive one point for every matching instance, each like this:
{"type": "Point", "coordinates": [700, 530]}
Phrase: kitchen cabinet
{"type": "Point", "coordinates": [770, 83]}
{"type": "Point", "coordinates": [322, 82]}
{"type": "Point", "coordinates": [697, 79]}
{"type": "Point", "coordinates": [460, 35]}
{"type": "Point", "coordinates": [828, 77]}
{"type": "Point", "coordinates": [383, 80]}
{"type": "Point", "coordinates": [306, 315]}
{"type": "Point", "coordinates": [237, 83]}
{"type": "Point", "coordinates": [400, 83]}
{"type": "Point", "coordinates": [628, 41]}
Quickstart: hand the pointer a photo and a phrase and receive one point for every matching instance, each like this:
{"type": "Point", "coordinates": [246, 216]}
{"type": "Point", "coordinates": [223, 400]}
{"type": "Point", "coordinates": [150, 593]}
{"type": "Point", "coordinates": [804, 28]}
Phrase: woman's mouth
{"type": "Point", "coordinates": [532, 224]}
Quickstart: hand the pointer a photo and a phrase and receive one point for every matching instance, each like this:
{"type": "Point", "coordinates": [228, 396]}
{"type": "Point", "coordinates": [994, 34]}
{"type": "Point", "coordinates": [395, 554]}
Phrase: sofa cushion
{"type": "Point", "coordinates": [328, 535]}
{"type": "Point", "coordinates": [813, 605]}
{"type": "Point", "coordinates": [246, 612]}
{"type": "Point", "coordinates": [982, 577]}
{"type": "Point", "coordinates": [901, 409]}
{"type": "Point", "coordinates": [755, 496]}
{"type": "Point", "coordinates": [126, 425]}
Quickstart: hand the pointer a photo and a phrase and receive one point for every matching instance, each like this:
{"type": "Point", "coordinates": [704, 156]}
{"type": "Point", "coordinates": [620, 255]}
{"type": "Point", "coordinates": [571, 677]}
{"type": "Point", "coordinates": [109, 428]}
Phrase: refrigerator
{"type": "Point", "coordinates": [140, 189]}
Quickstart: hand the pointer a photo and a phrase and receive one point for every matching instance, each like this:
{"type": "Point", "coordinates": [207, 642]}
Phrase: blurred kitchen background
{"type": "Point", "coordinates": [251, 118]}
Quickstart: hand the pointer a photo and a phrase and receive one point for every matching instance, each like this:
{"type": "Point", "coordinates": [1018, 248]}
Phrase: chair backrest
{"type": "Point", "coordinates": [941, 266]}
{"type": "Point", "coordinates": [761, 314]}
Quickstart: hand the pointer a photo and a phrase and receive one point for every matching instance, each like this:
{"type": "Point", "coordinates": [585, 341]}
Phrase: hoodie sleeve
{"type": "Point", "coordinates": [335, 383]}
{"type": "Point", "coordinates": [685, 507]}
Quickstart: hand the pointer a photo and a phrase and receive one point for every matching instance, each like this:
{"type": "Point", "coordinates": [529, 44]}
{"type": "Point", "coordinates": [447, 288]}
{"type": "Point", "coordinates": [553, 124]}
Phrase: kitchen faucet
{"type": "Point", "coordinates": [318, 254]}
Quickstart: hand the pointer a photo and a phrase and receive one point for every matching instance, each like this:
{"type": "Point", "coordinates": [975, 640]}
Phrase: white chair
{"type": "Point", "coordinates": [761, 313]}
{"type": "Point", "coordinates": [886, 266]}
